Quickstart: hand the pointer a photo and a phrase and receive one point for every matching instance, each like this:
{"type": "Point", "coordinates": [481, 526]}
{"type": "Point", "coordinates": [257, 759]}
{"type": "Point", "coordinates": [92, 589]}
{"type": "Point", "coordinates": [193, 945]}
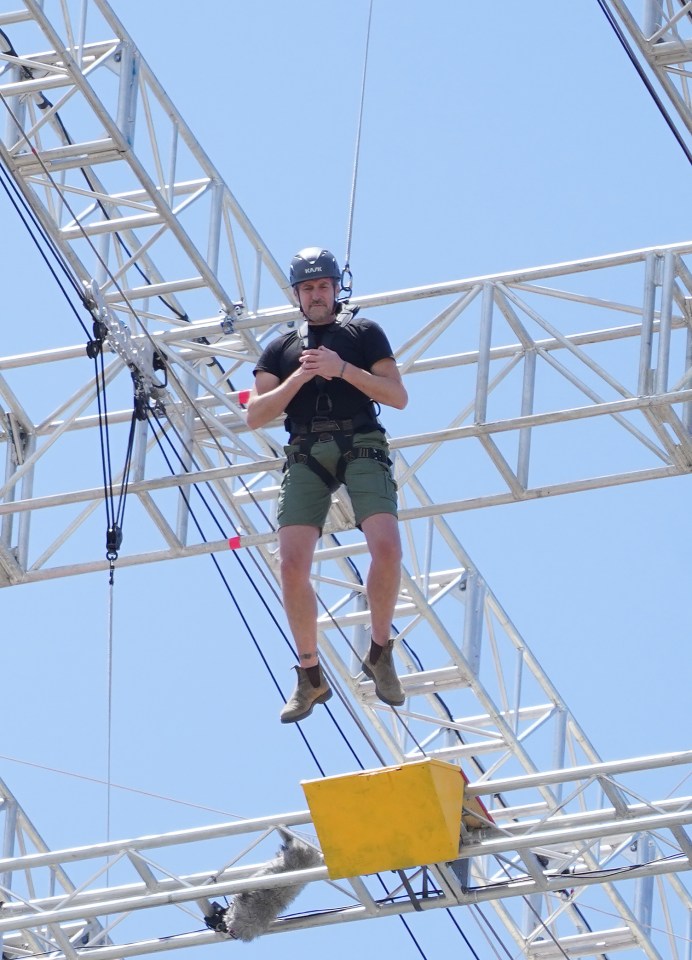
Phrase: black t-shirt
{"type": "Point", "coordinates": [361, 342]}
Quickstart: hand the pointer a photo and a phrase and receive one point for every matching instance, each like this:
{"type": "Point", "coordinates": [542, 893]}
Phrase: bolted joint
{"type": "Point", "coordinates": [231, 316]}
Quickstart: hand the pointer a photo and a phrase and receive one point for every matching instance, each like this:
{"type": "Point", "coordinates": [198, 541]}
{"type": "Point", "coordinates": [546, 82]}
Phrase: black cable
{"type": "Point", "coordinates": [99, 376]}
{"type": "Point", "coordinates": [120, 512]}
{"type": "Point", "coordinates": [493, 931]}
{"type": "Point", "coordinates": [27, 216]}
{"type": "Point", "coordinates": [463, 935]}
{"type": "Point", "coordinates": [617, 29]}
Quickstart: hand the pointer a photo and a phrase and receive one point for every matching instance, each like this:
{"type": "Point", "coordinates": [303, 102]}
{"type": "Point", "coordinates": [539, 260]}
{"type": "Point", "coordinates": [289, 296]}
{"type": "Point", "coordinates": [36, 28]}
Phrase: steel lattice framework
{"type": "Point", "coordinates": [662, 35]}
{"type": "Point", "coordinates": [183, 294]}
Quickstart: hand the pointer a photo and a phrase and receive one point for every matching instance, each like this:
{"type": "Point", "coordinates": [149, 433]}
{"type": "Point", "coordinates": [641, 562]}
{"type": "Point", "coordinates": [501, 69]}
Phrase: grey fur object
{"type": "Point", "coordinates": [251, 912]}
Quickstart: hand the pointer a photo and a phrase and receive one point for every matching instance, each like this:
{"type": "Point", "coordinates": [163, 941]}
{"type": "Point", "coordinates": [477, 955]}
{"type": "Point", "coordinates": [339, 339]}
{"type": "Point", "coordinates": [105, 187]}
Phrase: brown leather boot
{"type": "Point", "coordinates": [387, 685]}
{"type": "Point", "coordinates": [305, 696]}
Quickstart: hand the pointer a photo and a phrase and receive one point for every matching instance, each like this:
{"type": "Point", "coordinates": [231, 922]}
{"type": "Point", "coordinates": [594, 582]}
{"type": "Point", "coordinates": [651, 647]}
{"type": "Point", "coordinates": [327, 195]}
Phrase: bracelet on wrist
{"type": "Point", "coordinates": [343, 367]}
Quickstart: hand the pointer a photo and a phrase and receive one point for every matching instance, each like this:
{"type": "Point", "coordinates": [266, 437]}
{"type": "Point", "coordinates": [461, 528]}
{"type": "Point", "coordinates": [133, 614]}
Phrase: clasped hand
{"type": "Point", "coordinates": [321, 362]}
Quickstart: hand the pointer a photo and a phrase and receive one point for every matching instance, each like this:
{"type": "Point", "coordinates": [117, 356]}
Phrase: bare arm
{"type": "Point", "coordinates": [383, 383]}
{"type": "Point", "coordinates": [270, 397]}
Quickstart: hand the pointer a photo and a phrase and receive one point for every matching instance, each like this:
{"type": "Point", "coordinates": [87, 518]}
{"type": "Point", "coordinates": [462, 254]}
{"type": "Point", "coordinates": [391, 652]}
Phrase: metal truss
{"type": "Point", "coordinates": [524, 360]}
{"type": "Point", "coordinates": [662, 34]}
{"type": "Point", "coordinates": [592, 358]}
{"type": "Point", "coordinates": [602, 829]}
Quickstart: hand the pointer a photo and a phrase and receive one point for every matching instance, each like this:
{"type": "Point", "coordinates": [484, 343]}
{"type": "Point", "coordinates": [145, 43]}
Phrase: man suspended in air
{"type": "Point", "coordinates": [326, 379]}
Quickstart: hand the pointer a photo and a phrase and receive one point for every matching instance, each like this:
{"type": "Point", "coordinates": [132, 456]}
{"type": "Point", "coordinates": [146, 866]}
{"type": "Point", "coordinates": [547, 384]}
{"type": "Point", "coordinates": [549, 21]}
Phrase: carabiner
{"type": "Point", "coordinates": [347, 281]}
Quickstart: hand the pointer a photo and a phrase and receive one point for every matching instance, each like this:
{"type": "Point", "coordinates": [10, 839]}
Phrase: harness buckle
{"type": "Point", "coordinates": [323, 404]}
{"type": "Point", "coordinates": [320, 424]}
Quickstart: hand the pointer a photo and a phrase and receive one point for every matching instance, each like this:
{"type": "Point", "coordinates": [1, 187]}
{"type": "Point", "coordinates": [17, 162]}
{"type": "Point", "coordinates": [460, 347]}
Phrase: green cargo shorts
{"type": "Point", "coordinates": [305, 499]}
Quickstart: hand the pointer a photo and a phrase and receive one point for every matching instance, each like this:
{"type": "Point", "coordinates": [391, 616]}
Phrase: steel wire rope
{"type": "Point", "coordinates": [492, 930]}
{"type": "Point", "coordinates": [346, 275]}
{"type": "Point", "coordinates": [120, 786]}
{"type": "Point", "coordinates": [31, 224]}
{"type": "Point", "coordinates": [619, 33]}
{"type": "Point", "coordinates": [462, 934]}
{"type": "Point", "coordinates": [114, 515]}
{"type": "Point", "coordinates": [19, 201]}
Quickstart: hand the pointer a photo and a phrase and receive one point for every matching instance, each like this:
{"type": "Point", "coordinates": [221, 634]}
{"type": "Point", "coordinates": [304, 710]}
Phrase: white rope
{"type": "Point", "coordinates": [109, 708]}
{"type": "Point", "coordinates": [346, 273]}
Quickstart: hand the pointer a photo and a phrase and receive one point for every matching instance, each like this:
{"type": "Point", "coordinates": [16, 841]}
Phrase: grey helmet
{"type": "Point", "coordinates": [313, 263]}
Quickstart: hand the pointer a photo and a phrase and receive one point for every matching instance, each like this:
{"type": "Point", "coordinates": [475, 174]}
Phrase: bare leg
{"type": "Point", "coordinates": [296, 549]}
{"type": "Point", "coordinates": [384, 577]}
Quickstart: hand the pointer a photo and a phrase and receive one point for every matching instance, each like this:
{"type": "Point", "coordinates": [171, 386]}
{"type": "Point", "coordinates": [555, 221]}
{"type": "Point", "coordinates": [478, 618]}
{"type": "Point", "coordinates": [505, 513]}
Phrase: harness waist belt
{"type": "Point", "coordinates": [321, 425]}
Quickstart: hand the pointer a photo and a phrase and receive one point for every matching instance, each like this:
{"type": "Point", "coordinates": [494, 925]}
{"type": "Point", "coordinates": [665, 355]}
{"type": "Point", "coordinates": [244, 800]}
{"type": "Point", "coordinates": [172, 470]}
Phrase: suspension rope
{"type": "Point", "coordinates": [109, 708]}
{"type": "Point", "coordinates": [477, 910]}
{"type": "Point", "coordinates": [29, 219]}
{"type": "Point", "coordinates": [346, 274]}
{"type": "Point", "coordinates": [462, 934]}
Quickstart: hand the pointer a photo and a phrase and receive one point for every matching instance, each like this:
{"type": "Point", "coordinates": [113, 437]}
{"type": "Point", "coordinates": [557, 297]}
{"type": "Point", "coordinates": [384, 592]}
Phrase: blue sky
{"type": "Point", "coordinates": [494, 137]}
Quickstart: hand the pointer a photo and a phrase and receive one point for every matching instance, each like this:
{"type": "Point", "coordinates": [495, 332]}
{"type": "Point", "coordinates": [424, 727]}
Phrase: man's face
{"type": "Point", "coordinates": [317, 299]}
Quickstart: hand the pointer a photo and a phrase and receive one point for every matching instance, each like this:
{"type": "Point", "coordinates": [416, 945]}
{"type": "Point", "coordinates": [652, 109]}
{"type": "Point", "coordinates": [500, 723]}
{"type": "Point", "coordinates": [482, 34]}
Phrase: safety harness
{"type": "Point", "coordinates": [323, 427]}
